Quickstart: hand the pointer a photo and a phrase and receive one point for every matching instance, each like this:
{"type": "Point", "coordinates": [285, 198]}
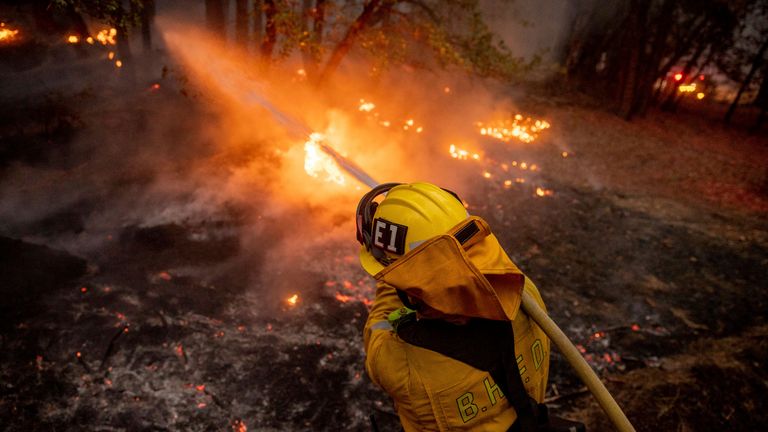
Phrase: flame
{"type": "Point", "coordinates": [366, 106]}
{"type": "Point", "coordinates": [111, 55]}
{"type": "Point", "coordinates": [317, 162]}
{"type": "Point", "coordinates": [542, 192]}
{"type": "Point", "coordinates": [343, 298]}
{"type": "Point", "coordinates": [73, 39]}
{"type": "Point", "coordinates": [687, 88]}
{"type": "Point", "coordinates": [89, 40]}
{"type": "Point", "coordinates": [107, 36]}
{"type": "Point", "coordinates": [118, 63]}
{"type": "Point", "coordinates": [462, 154]}
{"type": "Point", "coordinates": [700, 95]}
{"type": "Point", "coordinates": [292, 300]}
{"type": "Point", "coordinates": [6, 34]}
{"type": "Point", "coordinates": [521, 128]}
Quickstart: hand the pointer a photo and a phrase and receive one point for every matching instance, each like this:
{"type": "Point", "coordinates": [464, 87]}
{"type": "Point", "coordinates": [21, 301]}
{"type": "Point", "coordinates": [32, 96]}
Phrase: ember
{"type": "Point", "coordinates": [6, 34]}
{"type": "Point", "coordinates": [292, 300]}
{"type": "Point", "coordinates": [519, 128]}
{"type": "Point", "coordinates": [73, 39]}
{"type": "Point", "coordinates": [107, 36]}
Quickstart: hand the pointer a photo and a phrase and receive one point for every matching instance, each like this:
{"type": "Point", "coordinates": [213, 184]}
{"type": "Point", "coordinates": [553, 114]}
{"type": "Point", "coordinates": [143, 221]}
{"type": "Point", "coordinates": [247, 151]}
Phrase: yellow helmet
{"type": "Point", "coordinates": [408, 215]}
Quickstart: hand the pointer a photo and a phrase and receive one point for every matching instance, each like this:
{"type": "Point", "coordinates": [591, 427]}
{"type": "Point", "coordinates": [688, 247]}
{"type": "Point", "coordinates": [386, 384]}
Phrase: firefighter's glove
{"type": "Point", "coordinates": [401, 316]}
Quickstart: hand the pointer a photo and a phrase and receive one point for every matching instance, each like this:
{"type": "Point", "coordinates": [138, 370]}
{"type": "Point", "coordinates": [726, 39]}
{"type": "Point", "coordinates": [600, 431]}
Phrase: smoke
{"type": "Point", "coordinates": [200, 137]}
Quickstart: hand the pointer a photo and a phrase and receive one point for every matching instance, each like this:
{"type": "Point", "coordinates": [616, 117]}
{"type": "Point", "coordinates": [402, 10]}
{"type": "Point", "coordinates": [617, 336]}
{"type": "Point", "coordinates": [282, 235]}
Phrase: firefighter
{"type": "Point", "coordinates": [446, 337]}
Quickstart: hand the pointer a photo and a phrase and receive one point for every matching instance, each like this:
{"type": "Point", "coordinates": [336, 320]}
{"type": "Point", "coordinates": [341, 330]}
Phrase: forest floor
{"type": "Point", "coordinates": [651, 253]}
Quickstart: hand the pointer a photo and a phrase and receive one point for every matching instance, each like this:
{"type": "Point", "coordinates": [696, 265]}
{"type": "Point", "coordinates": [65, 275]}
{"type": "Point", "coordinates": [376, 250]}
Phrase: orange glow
{"type": "Point", "coordinates": [119, 63]}
{"type": "Point", "coordinates": [564, 154]}
{"type": "Point", "coordinates": [543, 192]}
{"type": "Point", "coordinates": [292, 300]}
{"type": "Point", "coordinates": [366, 106]}
{"type": "Point", "coordinates": [700, 95]}
{"type": "Point", "coordinates": [73, 39]}
{"type": "Point", "coordinates": [343, 298]}
{"type": "Point", "coordinates": [461, 154]}
{"type": "Point", "coordinates": [678, 76]}
{"type": "Point", "coordinates": [89, 40]}
{"type": "Point", "coordinates": [107, 36]}
{"type": "Point", "coordinates": [111, 55]}
{"type": "Point", "coordinates": [6, 34]}
{"type": "Point", "coordinates": [524, 129]}
{"type": "Point", "coordinates": [317, 162]}
{"type": "Point", "coordinates": [687, 88]}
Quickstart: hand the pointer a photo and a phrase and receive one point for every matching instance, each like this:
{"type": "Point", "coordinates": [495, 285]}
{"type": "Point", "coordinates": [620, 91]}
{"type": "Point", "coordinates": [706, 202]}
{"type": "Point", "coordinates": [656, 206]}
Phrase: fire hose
{"type": "Point", "coordinates": [582, 368]}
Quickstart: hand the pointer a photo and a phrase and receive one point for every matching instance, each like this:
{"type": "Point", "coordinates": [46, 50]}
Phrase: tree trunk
{"type": "Point", "coordinates": [756, 63]}
{"type": "Point", "coordinates": [270, 37]}
{"type": "Point", "coordinates": [147, 20]}
{"type": "Point", "coordinates": [241, 23]}
{"type": "Point", "coordinates": [658, 48]}
{"type": "Point", "coordinates": [215, 17]}
{"type": "Point", "coordinates": [762, 102]}
{"type": "Point", "coordinates": [307, 40]}
{"type": "Point", "coordinates": [258, 22]}
{"type": "Point", "coordinates": [366, 18]}
{"type": "Point", "coordinates": [638, 13]}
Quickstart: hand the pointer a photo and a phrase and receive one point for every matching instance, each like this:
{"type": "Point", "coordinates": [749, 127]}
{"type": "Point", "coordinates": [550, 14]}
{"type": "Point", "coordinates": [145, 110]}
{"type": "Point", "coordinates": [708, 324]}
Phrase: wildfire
{"type": "Point", "coordinates": [317, 162]}
{"type": "Point", "coordinates": [6, 34]}
{"type": "Point", "coordinates": [292, 300]}
{"type": "Point", "coordinates": [521, 128]}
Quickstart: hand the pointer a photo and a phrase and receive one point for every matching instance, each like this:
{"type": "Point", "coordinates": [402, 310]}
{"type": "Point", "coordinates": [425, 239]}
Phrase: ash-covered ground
{"type": "Point", "coordinates": [139, 293]}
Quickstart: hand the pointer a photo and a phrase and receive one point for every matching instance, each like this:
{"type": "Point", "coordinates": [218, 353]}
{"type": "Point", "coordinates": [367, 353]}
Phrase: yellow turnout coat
{"type": "Point", "coordinates": [433, 392]}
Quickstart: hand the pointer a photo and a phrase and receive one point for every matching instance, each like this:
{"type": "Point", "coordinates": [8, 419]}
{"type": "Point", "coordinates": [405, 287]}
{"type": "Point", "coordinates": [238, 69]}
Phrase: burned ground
{"type": "Point", "coordinates": [651, 254]}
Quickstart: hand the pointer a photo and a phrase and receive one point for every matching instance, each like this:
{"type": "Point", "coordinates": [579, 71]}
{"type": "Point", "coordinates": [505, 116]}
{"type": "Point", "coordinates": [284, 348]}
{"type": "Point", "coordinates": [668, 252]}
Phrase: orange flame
{"type": "Point", "coordinates": [73, 39]}
{"type": "Point", "coordinates": [519, 128]}
{"type": "Point", "coordinates": [6, 34]}
{"type": "Point", "coordinates": [292, 300]}
{"type": "Point", "coordinates": [107, 36]}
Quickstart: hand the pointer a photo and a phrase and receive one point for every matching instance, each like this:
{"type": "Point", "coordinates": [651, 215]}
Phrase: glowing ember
{"type": "Point", "coordinates": [118, 64]}
{"type": "Point", "coordinates": [317, 162]}
{"type": "Point", "coordinates": [73, 39]}
{"type": "Point", "coordinates": [678, 76]}
{"type": "Point", "coordinates": [292, 300]}
{"type": "Point", "coordinates": [543, 192]}
{"type": "Point", "coordinates": [687, 88]}
{"type": "Point", "coordinates": [107, 36]}
{"type": "Point", "coordinates": [239, 426]}
{"type": "Point", "coordinates": [486, 174]}
{"type": "Point", "coordinates": [343, 298]}
{"type": "Point", "coordinates": [111, 55]}
{"type": "Point", "coordinates": [700, 95]}
{"type": "Point", "coordinates": [519, 128]}
{"type": "Point", "coordinates": [6, 34]}
{"type": "Point", "coordinates": [447, 90]}
{"type": "Point", "coordinates": [564, 154]}
{"type": "Point", "coordinates": [461, 154]}
{"type": "Point", "coordinates": [366, 106]}
{"type": "Point", "coordinates": [89, 40]}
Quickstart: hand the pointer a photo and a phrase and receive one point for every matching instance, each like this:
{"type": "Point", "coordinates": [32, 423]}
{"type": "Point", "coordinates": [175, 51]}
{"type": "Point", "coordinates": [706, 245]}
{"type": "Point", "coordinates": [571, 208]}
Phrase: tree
{"type": "Point", "coordinates": [625, 51]}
